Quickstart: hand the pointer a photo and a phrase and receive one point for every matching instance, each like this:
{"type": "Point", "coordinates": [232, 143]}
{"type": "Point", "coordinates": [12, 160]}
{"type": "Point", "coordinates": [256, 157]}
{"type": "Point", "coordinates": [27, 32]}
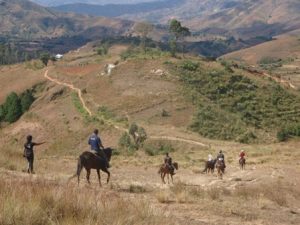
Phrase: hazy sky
{"type": "Point", "coordinates": [61, 2]}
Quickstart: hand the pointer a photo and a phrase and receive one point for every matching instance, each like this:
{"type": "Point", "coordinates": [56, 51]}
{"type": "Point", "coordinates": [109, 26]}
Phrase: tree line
{"type": "Point", "coordinates": [15, 105]}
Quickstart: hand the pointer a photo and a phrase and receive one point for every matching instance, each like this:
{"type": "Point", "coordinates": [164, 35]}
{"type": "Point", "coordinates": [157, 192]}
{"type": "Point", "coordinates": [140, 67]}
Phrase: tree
{"type": "Point", "coordinates": [13, 108]}
{"type": "Point", "coordinates": [143, 29]}
{"type": "Point", "coordinates": [2, 113]}
{"type": "Point", "coordinates": [45, 57]}
{"type": "Point", "coordinates": [125, 141]}
{"type": "Point", "coordinates": [178, 32]}
{"type": "Point", "coordinates": [26, 100]}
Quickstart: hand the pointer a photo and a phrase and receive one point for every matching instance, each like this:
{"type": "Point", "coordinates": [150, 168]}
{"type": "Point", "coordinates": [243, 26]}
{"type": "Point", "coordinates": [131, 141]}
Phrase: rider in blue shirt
{"type": "Point", "coordinates": [96, 146]}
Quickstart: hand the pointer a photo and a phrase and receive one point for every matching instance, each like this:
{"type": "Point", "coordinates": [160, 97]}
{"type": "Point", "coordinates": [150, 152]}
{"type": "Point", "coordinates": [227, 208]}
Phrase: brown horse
{"type": "Point", "coordinates": [242, 162]}
{"type": "Point", "coordinates": [165, 170]}
{"type": "Point", "coordinates": [89, 160]}
{"type": "Point", "coordinates": [220, 166]}
{"type": "Point", "coordinates": [210, 166]}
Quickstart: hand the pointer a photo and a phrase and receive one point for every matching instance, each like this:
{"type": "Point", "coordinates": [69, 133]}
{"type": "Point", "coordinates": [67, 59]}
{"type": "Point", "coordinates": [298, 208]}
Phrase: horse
{"type": "Point", "coordinates": [165, 169]}
{"type": "Point", "coordinates": [210, 166]}
{"type": "Point", "coordinates": [220, 166]}
{"type": "Point", "coordinates": [242, 162]}
{"type": "Point", "coordinates": [89, 160]}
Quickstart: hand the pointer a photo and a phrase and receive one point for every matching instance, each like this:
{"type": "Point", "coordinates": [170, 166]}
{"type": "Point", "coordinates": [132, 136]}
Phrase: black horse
{"type": "Point", "coordinates": [89, 160]}
{"type": "Point", "coordinates": [209, 166]}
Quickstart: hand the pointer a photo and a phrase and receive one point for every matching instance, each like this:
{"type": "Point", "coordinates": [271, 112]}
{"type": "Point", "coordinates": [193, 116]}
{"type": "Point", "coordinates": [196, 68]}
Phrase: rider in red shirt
{"type": "Point", "coordinates": [242, 154]}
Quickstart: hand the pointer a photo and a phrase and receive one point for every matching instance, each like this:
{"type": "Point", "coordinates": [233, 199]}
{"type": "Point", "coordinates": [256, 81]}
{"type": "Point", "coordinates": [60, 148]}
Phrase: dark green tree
{"type": "Point", "coordinates": [45, 57]}
{"type": "Point", "coordinates": [13, 108]}
{"type": "Point", "coordinates": [2, 113]}
{"type": "Point", "coordinates": [177, 32]}
{"type": "Point", "coordinates": [27, 99]}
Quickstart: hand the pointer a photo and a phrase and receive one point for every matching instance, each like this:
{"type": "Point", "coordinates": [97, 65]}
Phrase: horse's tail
{"type": "Point", "coordinates": [79, 166]}
{"type": "Point", "coordinates": [159, 170]}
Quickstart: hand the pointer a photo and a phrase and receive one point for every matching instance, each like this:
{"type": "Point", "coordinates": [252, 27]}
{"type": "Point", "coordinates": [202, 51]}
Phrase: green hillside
{"type": "Point", "coordinates": [234, 105]}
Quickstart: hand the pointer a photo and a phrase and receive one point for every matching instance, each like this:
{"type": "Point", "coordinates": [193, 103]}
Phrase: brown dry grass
{"type": "Point", "coordinates": [40, 202]}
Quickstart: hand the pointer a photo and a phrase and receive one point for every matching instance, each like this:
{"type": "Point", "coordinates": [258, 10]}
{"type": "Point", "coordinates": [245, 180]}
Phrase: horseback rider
{"type": "Point", "coordinates": [242, 154]}
{"type": "Point", "coordinates": [221, 157]}
{"type": "Point", "coordinates": [97, 147]}
{"type": "Point", "coordinates": [168, 162]}
{"type": "Point", "coordinates": [210, 158]}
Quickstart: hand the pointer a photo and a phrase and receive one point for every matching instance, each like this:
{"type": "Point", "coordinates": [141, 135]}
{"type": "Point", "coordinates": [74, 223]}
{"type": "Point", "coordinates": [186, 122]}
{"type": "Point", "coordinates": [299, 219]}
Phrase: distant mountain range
{"type": "Point", "coordinates": [99, 2]}
{"type": "Point", "coordinates": [116, 10]}
{"type": "Point", "coordinates": [24, 19]}
{"type": "Point", "coordinates": [239, 18]}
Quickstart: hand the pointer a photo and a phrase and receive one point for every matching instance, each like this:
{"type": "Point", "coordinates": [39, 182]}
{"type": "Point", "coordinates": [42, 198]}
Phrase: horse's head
{"type": "Point", "coordinates": [108, 153]}
{"type": "Point", "coordinates": [175, 164]}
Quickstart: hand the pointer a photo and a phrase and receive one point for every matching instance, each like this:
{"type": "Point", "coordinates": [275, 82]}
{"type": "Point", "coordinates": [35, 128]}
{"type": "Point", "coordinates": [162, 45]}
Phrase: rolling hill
{"type": "Point", "coordinates": [239, 18]}
{"type": "Point", "coordinates": [24, 19]}
{"type": "Point", "coordinates": [116, 10]}
{"type": "Point", "coordinates": [164, 95]}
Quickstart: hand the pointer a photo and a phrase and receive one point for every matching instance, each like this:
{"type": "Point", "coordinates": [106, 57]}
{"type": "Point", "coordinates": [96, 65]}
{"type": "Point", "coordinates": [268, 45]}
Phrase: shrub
{"type": "Point", "coordinates": [190, 66]}
{"type": "Point", "coordinates": [27, 99]}
{"type": "Point", "coordinates": [158, 149]}
{"type": "Point", "coordinates": [13, 108]}
{"type": "Point", "coordinates": [45, 57]}
{"type": "Point", "coordinates": [125, 141]}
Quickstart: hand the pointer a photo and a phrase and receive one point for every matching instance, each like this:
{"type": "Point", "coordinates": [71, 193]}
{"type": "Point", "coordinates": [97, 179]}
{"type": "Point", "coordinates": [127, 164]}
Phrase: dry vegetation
{"type": "Point", "coordinates": [40, 202]}
{"type": "Point", "coordinates": [267, 192]}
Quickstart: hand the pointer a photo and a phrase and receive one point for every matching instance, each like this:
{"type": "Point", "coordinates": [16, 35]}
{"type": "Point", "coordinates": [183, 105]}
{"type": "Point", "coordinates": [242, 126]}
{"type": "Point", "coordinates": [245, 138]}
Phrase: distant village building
{"type": "Point", "coordinates": [58, 56]}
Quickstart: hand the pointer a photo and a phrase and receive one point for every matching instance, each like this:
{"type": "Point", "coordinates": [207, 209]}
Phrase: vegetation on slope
{"type": "Point", "coordinates": [15, 106]}
{"type": "Point", "coordinates": [232, 106]}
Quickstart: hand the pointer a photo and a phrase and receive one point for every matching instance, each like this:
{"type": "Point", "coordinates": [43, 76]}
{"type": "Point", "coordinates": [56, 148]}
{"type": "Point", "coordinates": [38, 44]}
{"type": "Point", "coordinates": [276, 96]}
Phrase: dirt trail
{"type": "Point", "coordinates": [280, 80]}
{"type": "Point", "coordinates": [71, 86]}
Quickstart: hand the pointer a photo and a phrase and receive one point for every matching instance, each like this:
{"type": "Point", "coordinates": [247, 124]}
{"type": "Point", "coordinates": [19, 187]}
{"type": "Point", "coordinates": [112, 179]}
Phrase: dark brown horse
{"type": "Point", "coordinates": [166, 170]}
{"type": "Point", "coordinates": [242, 162]}
{"type": "Point", "coordinates": [89, 160]}
{"type": "Point", "coordinates": [209, 166]}
{"type": "Point", "coordinates": [220, 166]}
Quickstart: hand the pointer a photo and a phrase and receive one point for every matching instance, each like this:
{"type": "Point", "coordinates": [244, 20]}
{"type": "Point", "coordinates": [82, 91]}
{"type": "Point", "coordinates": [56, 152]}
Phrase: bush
{"type": "Point", "coordinates": [12, 108]}
{"type": "Point", "coordinates": [27, 99]}
{"type": "Point", "coordinates": [158, 149]}
{"type": "Point", "coordinates": [45, 57]}
{"type": "Point", "coordinates": [125, 141]}
{"type": "Point", "coordinates": [190, 66]}
{"type": "Point", "coordinates": [103, 49]}
{"type": "Point", "coordinates": [288, 131]}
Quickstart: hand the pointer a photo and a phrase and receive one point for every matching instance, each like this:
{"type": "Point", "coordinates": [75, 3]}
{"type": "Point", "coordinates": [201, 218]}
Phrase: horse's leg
{"type": "Point", "coordinates": [168, 175]}
{"type": "Point", "coordinates": [99, 177]}
{"type": "Point", "coordinates": [88, 172]}
{"type": "Point", "coordinates": [108, 174]}
{"type": "Point", "coordinates": [163, 177]}
{"type": "Point", "coordinates": [172, 179]}
{"type": "Point", "coordinates": [79, 169]}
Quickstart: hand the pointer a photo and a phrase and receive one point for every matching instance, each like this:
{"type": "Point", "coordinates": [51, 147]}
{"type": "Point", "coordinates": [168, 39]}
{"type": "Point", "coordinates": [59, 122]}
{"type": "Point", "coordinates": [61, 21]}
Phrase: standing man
{"type": "Point", "coordinates": [28, 152]}
{"type": "Point", "coordinates": [97, 147]}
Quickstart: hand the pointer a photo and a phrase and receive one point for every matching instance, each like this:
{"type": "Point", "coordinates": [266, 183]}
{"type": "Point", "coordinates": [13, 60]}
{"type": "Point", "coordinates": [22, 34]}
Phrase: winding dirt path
{"type": "Point", "coordinates": [71, 86]}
